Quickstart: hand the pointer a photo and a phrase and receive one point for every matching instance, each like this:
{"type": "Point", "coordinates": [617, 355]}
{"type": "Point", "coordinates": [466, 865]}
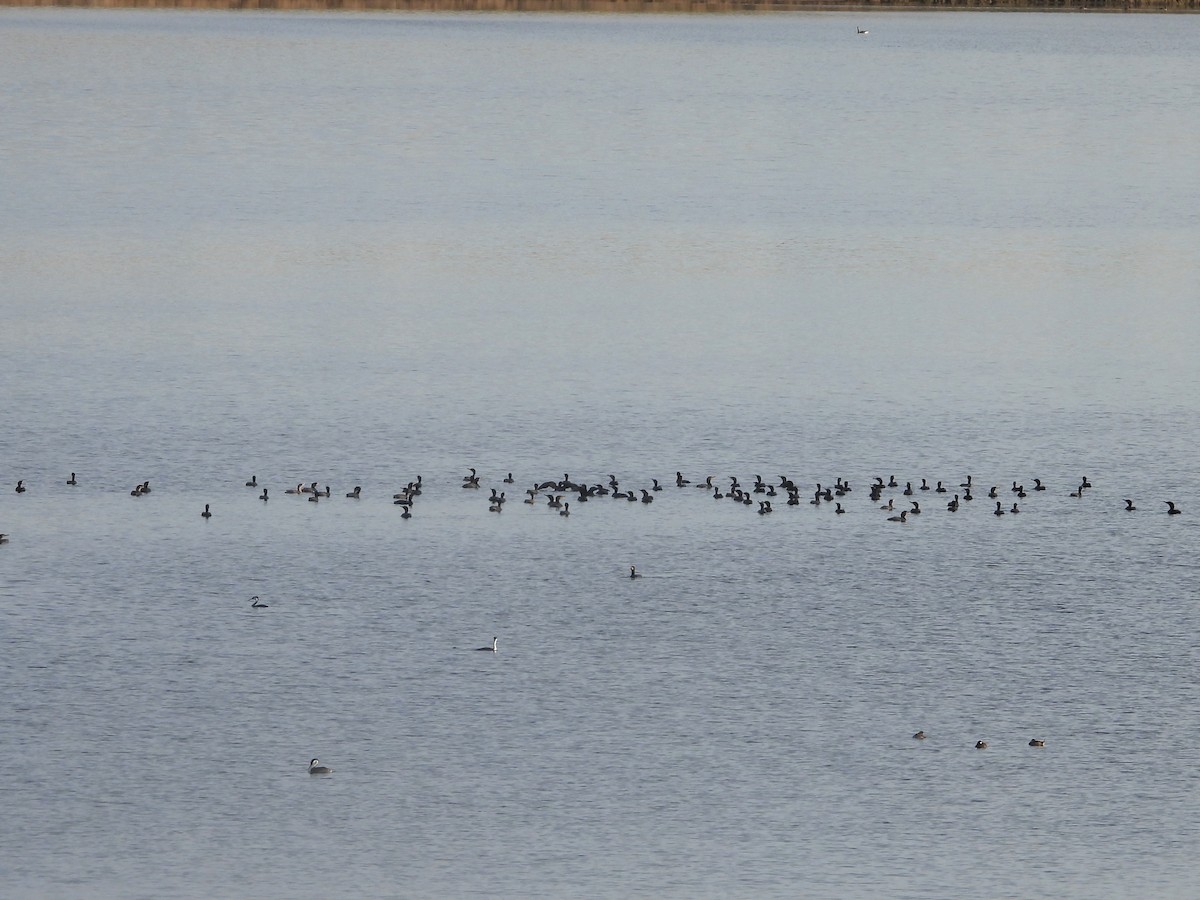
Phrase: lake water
{"type": "Point", "coordinates": [355, 249]}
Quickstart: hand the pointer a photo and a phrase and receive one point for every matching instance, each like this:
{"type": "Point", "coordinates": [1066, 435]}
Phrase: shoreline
{"type": "Point", "coordinates": [632, 6]}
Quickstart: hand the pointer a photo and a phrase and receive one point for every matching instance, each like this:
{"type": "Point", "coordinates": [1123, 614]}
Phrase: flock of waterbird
{"type": "Point", "coordinates": [556, 492]}
{"type": "Point", "coordinates": [315, 767]}
{"type": "Point", "coordinates": [983, 745]}
{"type": "Point", "coordinates": [560, 493]}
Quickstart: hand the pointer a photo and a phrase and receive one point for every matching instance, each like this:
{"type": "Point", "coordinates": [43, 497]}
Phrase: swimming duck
{"type": "Point", "coordinates": [263, 495]}
{"type": "Point", "coordinates": [20, 487]}
{"type": "Point", "coordinates": [255, 603]}
{"type": "Point", "coordinates": [981, 745]}
{"type": "Point", "coordinates": [206, 514]}
{"type": "Point", "coordinates": [315, 768]}
{"type": "Point", "coordinates": [491, 648]}
{"type": "Point", "coordinates": [919, 736]}
{"type": "Point", "coordinates": [1034, 742]}
{"type": "Point", "coordinates": [355, 494]}
{"type": "Point", "coordinates": [1171, 510]}
{"type": "Point", "coordinates": [634, 573]}
{"type": "Point", "coordinates": [72, 481]}
{"type": "Point", "coordinates": [1129, 507]}
{"type": "Point", "coordinates": [253, 482]}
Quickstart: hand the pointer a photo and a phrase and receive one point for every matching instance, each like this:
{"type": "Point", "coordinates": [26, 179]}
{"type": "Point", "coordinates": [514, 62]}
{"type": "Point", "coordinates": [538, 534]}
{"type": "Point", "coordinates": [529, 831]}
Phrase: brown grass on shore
{"type": "Point", "coordinates": [635, 6]}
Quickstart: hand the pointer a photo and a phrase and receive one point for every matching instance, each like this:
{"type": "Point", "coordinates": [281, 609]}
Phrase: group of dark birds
{"type": "Point", "coordinates": [559, 493]}
{"type": "Point", "coordinates": [983, 745]}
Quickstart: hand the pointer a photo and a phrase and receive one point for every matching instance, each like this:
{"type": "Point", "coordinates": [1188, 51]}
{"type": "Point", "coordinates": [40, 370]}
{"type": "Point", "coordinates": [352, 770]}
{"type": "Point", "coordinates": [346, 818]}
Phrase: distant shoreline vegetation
{"type": "Point", "coordinates": [635, 6]}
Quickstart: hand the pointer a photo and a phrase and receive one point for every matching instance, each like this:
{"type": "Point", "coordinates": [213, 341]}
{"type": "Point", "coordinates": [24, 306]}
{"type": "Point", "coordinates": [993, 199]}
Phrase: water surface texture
{"type": "Point", "coordinates": [355, 249]}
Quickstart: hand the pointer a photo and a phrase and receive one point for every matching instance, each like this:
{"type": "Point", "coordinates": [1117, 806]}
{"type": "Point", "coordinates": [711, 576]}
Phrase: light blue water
{"type": "Point", "coordinates": [355, 249]}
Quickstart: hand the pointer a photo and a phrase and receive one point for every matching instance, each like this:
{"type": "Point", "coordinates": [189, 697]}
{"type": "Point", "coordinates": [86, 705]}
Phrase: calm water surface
{"type": "Point", "coordinates": [355, 249]}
